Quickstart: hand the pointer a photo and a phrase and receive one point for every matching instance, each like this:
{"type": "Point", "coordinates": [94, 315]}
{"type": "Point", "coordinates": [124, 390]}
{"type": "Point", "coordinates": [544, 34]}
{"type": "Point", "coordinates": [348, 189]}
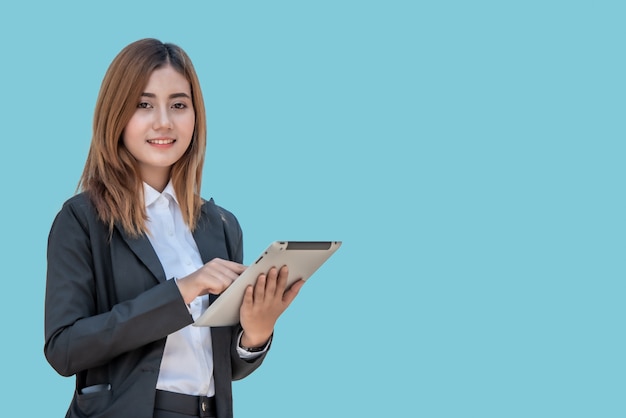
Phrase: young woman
{"type": "Point", "coordinates": [138, 255]}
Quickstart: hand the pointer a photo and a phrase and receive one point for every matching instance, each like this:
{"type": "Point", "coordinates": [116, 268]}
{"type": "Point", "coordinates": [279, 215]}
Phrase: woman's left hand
{"type": "Point", "coordinates": [263, 303]}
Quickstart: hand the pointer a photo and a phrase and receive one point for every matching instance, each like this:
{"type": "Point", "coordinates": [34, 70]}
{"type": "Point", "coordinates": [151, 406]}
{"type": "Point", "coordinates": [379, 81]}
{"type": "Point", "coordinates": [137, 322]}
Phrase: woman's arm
{"type": "Point", "coordinates": [77, 335]}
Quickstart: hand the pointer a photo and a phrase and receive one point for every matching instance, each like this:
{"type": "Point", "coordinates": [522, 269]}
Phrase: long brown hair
{"type": "Point", "coordinates": [111, 175]}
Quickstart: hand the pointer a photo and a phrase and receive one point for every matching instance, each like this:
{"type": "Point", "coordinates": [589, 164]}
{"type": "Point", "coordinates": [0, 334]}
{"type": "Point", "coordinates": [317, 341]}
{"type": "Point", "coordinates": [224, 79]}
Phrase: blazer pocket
{"type": "Point", "coordinates": [94, 399]}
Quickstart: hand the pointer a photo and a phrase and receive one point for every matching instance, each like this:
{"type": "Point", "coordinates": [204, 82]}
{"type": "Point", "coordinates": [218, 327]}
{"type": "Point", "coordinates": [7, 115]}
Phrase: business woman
{"type": "Point", "coordinates": [138, 255]}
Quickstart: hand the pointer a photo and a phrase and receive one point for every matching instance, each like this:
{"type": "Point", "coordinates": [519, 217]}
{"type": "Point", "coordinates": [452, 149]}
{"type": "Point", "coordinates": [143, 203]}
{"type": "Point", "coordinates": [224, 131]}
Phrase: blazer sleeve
{"type": "Point", "coordinates": [77, 335]}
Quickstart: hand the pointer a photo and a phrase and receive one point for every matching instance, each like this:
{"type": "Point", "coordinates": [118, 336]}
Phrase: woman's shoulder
{"type": "Point", "coordinates": [213, 214]}
{"type": "Point", "coordinates": [79, 203]}
{"type": "Point", "coordinates": [211, 208]}
{"type": "Point", "coordinates": [77, 208]}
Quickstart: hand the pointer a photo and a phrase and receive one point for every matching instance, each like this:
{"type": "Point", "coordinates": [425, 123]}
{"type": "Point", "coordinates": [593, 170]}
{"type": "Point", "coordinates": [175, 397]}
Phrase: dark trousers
{"type": "Point", "coordinates": [177, 405]}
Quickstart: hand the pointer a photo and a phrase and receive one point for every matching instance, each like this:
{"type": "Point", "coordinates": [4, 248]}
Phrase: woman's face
{"type": "Point", "coordinates": [160, 131]}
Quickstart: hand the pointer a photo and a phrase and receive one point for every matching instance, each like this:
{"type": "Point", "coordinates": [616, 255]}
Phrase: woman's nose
{"type": "Point", "coordinates": [162, 120]}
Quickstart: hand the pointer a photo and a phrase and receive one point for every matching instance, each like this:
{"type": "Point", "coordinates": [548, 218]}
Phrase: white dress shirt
{"type": "Point", "coordinates": [187, 365]}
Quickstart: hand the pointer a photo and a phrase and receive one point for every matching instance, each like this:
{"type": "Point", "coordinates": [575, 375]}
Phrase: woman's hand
{"type": "Point", "coordinates": [263, 303]}
{"type": "Point", "coordinates": [214, 277]}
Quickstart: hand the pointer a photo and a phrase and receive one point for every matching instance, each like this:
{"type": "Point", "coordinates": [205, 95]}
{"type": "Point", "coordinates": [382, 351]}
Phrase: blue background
{"type": "Point", "coordinates": [469, 154]}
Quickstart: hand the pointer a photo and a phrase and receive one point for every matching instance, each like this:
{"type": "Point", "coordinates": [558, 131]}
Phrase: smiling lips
{"type": "Point", "coordinates": [161, 141]}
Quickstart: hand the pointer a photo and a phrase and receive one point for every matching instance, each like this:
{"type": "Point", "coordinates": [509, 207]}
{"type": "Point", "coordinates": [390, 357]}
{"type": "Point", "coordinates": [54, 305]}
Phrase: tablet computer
{"type": "Point", "coordinates": [302, 257]}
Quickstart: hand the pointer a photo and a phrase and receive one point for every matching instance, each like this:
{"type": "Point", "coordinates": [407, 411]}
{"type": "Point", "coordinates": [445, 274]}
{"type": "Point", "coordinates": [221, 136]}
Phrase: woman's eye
{"type": "Point", "coordinates": [143, 105]}
{"type": "Point", "coordinates": [179, 105]}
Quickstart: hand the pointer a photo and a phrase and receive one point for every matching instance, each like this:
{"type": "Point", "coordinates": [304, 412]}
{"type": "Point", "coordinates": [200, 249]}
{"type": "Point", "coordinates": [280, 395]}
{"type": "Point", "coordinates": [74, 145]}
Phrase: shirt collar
{"type": "Point", "coordinates": [151, 195]}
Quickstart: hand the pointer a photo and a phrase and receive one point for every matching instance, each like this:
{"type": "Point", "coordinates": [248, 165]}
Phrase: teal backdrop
{"type": "Point", "coordinates": [469, 154]}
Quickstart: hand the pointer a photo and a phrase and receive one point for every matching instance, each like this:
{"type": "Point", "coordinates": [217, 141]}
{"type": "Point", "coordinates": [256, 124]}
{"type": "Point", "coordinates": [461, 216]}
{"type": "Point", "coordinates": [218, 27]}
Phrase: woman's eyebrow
{"type": "Point", "coordinates": [177, 95]}
{"type": "Point", "coordinates": [172, 96]}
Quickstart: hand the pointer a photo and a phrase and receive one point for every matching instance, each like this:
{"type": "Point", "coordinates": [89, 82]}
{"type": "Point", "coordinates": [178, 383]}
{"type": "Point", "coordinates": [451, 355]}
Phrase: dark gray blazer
{"type": "Point", "coordinates": [109, 309]}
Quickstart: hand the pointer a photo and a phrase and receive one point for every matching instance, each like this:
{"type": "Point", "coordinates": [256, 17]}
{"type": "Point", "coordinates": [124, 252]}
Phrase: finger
{"type": "Point", "coordinates": [259, 288]}
{"type": "Point", "coordinates": [283, 275]}
{"type": "Point", "coordinates": [217, 285]}
{"type": "Point", "coordinates": [215, 277]}
{"type": "Point", "coordinates": [293, 291]}
{"type": "Point", "coordinates": [218, 282]}
{"type": "Point", "coordinates": [220, 271]}
{"type": "Point", "coordinates": [228, 265]}
{"type": "Point", "coordinates": [248, 298]}
{"type": "Point", "coordinates": [270, 285]}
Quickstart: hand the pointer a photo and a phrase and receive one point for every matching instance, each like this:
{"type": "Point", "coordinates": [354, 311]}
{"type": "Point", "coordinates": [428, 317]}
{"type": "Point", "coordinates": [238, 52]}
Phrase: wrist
{"type": "Point", "coordinates": [187, 288]}
{"type": "Point", "coordinates": [251, 342]}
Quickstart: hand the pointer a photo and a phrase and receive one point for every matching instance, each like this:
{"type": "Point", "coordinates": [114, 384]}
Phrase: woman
{"type": "Point", "coordinates": [133, 258]}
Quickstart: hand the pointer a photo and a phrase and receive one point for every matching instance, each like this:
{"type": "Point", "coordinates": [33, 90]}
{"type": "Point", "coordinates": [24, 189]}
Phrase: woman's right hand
{"type": "Point", "coordinates": [214, 277]}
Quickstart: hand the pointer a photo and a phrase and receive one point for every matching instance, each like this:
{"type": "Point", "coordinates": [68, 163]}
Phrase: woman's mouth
{"type": "Point", "coordinates": [161, 141]}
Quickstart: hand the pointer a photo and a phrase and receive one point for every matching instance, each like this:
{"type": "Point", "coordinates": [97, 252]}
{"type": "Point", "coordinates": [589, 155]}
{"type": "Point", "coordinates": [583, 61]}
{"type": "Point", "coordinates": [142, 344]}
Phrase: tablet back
{"type": "Point", "coordinates": [302, 257]}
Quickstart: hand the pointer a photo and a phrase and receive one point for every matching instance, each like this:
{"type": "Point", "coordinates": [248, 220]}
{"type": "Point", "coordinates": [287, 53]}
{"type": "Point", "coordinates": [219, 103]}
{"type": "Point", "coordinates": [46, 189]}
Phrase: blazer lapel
{"type": "Point", "coordinates": [209, 237]}
{"type": "Point", "coordinates": [143, 250]}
